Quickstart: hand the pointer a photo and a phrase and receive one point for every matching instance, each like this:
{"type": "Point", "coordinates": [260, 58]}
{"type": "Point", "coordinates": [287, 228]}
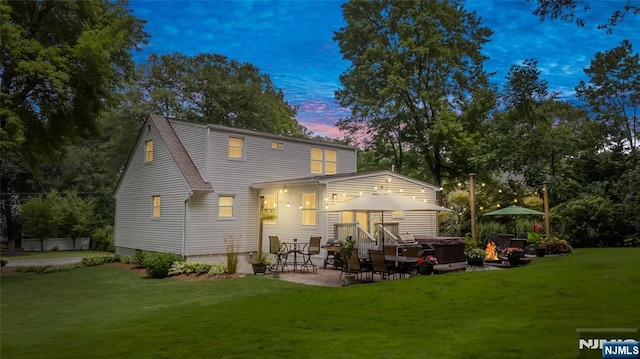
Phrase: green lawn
{"type": "Point", "coordinates": [527, 312]}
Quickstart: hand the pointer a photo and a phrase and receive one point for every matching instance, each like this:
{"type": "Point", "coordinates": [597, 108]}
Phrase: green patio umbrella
{"type": "Point", "coordinates": [515, 211]}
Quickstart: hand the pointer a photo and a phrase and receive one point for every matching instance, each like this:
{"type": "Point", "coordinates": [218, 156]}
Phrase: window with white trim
{"type": "Point", "coordinates": [323, 161]}
{"type": "Point", "coordinates": [148, 151]}
{"type": "Point", "coordinates": [236, 147]}
{"type": "Point", "coordinates": [308, 209]}
{"type": "Point", "coordinates": [225, 206]}
{"type": "Point", "coordinates": [155, 205]}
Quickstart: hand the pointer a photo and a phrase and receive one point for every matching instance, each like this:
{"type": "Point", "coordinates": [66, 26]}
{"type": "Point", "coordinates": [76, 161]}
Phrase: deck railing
{"type": "Point", "coordinates": [364, 239]}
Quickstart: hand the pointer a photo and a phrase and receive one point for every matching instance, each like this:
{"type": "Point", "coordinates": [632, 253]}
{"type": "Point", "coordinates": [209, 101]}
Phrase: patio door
{"type": "Point", "coordinates": [358, 217]}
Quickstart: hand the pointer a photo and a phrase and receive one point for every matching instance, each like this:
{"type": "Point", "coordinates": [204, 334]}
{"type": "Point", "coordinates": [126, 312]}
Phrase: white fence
{"type": "Point", "coordinates": [60, 244]}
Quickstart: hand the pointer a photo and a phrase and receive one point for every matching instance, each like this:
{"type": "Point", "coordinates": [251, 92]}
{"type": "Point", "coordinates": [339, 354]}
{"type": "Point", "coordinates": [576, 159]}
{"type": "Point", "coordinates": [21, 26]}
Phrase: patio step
{"type": "Point", "coordinates": [451, 267]}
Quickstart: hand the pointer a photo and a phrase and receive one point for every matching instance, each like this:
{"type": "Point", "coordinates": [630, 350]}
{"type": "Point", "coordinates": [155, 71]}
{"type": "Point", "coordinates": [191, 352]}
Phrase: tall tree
{"type": "Point", "coordinates": [62, 61]}
{"type": "Point", "coordinates": [416, 74]}
{"type": "Point", "coordinates": [565, 10]}
{"type": "Point", "coordinates": [533, 133]}
{"type": "Point", "coordinates": [613, 94]}
{"type": "Point", "coordinates": [211, 88]}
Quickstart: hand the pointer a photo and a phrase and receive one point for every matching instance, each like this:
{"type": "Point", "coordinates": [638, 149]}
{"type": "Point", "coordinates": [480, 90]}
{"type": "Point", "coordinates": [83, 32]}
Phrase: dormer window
{"type": "Point", "coordinates": [148, 151]}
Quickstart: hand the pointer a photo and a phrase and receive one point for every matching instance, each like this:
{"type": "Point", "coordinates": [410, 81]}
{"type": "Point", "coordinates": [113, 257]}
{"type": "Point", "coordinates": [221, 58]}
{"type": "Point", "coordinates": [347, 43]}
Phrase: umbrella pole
{"type": "Point", "coordinates": [383, 234]}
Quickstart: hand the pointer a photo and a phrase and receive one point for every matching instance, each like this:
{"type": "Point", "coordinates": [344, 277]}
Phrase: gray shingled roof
{"type": "Point", "coordinates": [179, 153]}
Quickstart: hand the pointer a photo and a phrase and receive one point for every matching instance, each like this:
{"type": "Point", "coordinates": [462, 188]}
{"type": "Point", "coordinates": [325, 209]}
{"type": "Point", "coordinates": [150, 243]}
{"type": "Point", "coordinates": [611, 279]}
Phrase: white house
{"type": "Point", "coordinates": [190, 188]}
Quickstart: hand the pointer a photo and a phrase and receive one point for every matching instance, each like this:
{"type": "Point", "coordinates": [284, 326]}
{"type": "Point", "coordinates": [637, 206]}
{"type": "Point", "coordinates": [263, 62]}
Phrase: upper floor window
{"type": "Point", "coordinates": [155, 213]}
{"type": "Point", "coordinates": [148, 157]}
{"type": "Point", "coordinates": [308, 209]}
{"type": "Point", "coordinates": [323, 161]}
{"type": "Point", "coordinates": [236, 147]}
{"type": "Point", "coordinates": [270, 203]}
{"type": "Point", "coordinates": [225, 206]}
{"type": "Point", "coordinates": [277, 145]}
{"type": "Point", "coordinates": [330, 162]}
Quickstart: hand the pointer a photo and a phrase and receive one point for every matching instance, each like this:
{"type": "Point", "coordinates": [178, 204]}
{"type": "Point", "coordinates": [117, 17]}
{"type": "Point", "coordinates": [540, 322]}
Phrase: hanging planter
{"type": "Point", "coordinates": [268, 215]}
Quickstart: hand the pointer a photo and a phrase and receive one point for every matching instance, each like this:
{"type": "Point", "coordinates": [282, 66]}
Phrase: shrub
{"type": "Point", "coordinates": [158, 264]}
{"type": "Point", "coordinates": [98, 260]}
{"type": "Point", "coordinates": [232, 255]}
{"type": "Point", "coordinates": [102, 239]}
{"type": "Point", "coordinates": [61, 268]}
{"type": "Point", "coordinates": [125, 259]}
{"type": "Point", "coordinates": [139, 257]}
{"type": "Point", "coordinates": [48, 269]}
{"type": "Point", "coordinates": [590, 221]}
{"type": "Point", "coordinates": [189, 268]}
{"type": "Point", "coordinates": [218, 269]}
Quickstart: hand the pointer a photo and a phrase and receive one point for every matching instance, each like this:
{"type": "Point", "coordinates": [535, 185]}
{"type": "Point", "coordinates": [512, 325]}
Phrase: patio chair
{"type": "Point", "coordinates": [356, 267]}
{"type": "Point", "coordinates": [312, 249]}
{"type": "Point", "coordinates": [380, 266]}
{"type": "Point", "coordinates": [280, 251]}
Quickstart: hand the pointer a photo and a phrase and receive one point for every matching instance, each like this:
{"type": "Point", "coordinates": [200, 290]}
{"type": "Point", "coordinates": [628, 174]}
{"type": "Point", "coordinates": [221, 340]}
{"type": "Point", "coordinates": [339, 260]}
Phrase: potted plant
{"type": "Point", "coordinates": [513, 255]}
{"type": "Point", "coordinates": [261, 263]}
{"type": "Point", "coordinates": [425, 264]}
{"type": "Point", "coordinates": [558, 246]}
{"type": "Point", "coordinates": [475, 256]}
{"type": "Point", "coordinates": [346, 249]}
{"type": "Point", "coordinates": [535, 237]}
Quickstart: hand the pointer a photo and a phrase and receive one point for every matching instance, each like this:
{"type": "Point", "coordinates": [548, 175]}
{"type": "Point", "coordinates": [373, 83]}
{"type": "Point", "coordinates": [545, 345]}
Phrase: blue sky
{"type": "Point", "coordinates": [291, 41]}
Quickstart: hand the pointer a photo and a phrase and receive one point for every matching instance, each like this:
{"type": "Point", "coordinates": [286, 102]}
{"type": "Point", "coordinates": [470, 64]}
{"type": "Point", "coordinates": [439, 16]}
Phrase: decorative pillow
{"type": "Point", "coordinates": [407, 238]}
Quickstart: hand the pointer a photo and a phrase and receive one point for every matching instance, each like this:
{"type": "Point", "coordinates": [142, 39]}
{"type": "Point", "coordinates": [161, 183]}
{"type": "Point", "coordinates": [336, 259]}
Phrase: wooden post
{"type": "Point", "coordinates": [472, 204]}
{"type": "Point", "coordinates": [261, 208]}
{"type": "Point", "coordinates": [547, 220]}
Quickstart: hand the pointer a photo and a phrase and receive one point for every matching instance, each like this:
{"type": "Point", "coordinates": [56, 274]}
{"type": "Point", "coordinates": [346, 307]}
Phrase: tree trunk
{"type": "Point", "coordinates": [7, 209]}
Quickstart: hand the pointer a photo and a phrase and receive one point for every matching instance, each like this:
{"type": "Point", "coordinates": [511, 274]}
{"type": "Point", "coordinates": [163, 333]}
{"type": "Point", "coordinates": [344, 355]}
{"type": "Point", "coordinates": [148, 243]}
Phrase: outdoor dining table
{"type": "Point", "coordinates": [294, 248]}
{"type": "Point", "coordinates": [401, 262]}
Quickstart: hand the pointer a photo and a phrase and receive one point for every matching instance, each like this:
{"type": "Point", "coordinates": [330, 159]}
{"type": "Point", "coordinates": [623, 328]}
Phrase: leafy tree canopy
{"type": "Point", "coordinates": [62, 61]}
{"type": "Point", "coordinates": [416, 78]}
{"type": "Point", "coordinates": [613, 94]}
{"type": "Point", "coordinates": [565, 10]}
{"type": "Point", "coordinates": [211, 88]}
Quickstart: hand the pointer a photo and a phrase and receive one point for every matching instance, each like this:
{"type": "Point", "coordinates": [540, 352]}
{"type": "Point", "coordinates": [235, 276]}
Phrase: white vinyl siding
{"type": "Point", "coordinates": [136, 226]}
{"type": "Point", "coordinates": [188, 221]}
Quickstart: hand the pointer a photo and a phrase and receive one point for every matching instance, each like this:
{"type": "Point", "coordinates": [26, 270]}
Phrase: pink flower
{"type": "Point", "coordinates": [537, 227]}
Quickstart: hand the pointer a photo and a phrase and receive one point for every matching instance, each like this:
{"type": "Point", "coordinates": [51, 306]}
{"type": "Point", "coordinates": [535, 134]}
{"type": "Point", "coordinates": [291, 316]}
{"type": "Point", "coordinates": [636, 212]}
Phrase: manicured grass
{"type": "Point", "coordinates": [527, 312]}
{"type": "Point", "coordinates": [53, 254]}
